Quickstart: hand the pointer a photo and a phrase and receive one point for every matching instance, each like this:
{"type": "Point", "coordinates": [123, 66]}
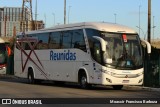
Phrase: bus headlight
{"type": "Point", "coordinates": [141, 80]}
{"type": "Point", "coordinates": [2, 68]}
{"type": "Point", "coordinates": [109, 80]}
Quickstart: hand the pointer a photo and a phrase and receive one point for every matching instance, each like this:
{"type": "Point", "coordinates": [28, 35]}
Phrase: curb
{"type": "Point", "coordinates": [125, 87]}
{"type": "Point", "coordinates": [142, 88]}
{"type": "Point", "coordinates": [7, 76]}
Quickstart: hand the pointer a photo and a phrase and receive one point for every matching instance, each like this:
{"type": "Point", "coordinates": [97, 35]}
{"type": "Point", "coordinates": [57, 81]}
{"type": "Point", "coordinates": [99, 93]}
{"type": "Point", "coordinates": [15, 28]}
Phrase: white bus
{"type": "Point", "coordinates": [86, 53]}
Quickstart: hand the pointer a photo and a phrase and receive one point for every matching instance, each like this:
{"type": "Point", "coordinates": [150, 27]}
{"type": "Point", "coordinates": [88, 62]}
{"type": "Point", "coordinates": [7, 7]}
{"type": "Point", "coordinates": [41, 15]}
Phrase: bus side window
{"type": "Point", "coordinates": [27, 47]}
{"type": "Point", "coordinates": [43, 41]}
{"type": "Point", "coordinates": [78, 40]}
{"type": "Point", "coordinates": [97, 56]}
{"type": "Point", "coordinates": [54, 40]}
{"type": "Point", "coordinates": [66, 39]}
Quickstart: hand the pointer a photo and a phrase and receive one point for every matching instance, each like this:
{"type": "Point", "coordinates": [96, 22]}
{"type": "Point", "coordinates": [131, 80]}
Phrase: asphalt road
{"type": "Point", "coordinates": [19, 88]}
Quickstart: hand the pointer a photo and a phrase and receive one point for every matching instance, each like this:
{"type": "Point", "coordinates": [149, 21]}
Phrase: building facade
{"type": "Point", "coordinates": [10, 20]}
{"type": "Point", "coordinates": [39, 24]}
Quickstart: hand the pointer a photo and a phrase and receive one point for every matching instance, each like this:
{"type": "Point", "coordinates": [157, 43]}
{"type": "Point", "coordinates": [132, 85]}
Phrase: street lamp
{"type": "Point", "coordinates": [149, 21]}
{"type": "Point", "coordinates": [54, 18]}
{"type": "Point", "coordinates": [144, 34]}
{"type": "Point", "coordinates": [64, 11]}
{"type": "Point", "coordinates": [139, 19]}
{"type": "Point", "coordinates": [45, 20]}
{"type": "Point", "coordinates": [68, 13]}
{"type": "Point", "coordinates": [115, 17]}
{"type": "Point", "coordinates": [153, 28]}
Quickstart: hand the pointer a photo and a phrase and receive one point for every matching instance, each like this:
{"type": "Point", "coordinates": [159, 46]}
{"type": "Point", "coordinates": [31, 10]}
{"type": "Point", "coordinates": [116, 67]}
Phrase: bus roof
{"type": "Point", "coordinates": [1, 40]}
{"type": "Point", "coordinates": [102, 26]}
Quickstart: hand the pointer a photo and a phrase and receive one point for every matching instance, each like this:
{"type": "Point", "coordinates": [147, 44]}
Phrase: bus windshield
{"type": "Point", "coordinates": [124, 50]}
{"type": "Point", "coordinates": [2, 53]}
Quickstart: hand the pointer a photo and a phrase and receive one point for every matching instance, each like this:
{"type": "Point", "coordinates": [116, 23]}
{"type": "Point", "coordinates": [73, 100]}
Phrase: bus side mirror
{"type": "Point", "coordinates": [103, 45]}
{"type": "Point", "coordinates": [108, 60]}
{"type": "Point", "coordinates": [148, 46]}
{"type": "Point", "coordinates": [102, 41]}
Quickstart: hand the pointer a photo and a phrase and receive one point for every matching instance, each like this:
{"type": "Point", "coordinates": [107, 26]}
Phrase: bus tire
{"type": "Point", "coordinates": [37, 81]}
{"type": "Point", "coordinates": [83, 82]}
{"type": "Point", "coordinates": [31, 79]}
{"type": "Point", "coordinates": [117, 87]}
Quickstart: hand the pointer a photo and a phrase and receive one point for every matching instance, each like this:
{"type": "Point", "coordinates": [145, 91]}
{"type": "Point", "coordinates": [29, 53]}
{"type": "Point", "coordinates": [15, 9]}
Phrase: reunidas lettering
{"type": "Point", "coordinates": [66, 55]}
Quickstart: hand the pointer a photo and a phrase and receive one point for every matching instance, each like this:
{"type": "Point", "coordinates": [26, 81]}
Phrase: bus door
{"type": "Point", "coordinates": [97, 56]}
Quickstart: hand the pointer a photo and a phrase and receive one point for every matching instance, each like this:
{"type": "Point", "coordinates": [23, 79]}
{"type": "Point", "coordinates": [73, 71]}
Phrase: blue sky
{"type": "Point", "coordinates": [127, 12]}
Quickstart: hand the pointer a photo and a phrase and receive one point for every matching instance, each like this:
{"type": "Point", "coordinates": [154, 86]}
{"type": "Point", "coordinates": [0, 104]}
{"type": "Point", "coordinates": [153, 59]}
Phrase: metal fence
{"type": "Point", "coordinates": [152, 68]}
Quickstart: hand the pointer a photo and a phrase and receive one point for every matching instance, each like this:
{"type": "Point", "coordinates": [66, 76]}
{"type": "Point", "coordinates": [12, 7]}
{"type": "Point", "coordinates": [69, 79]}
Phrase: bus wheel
{"type": "Point", "coordinates": [117, 87]}
{"type": "Point", "coordinates": [30, 77]}
{"type": "Point", "coordinates": [83, 82]}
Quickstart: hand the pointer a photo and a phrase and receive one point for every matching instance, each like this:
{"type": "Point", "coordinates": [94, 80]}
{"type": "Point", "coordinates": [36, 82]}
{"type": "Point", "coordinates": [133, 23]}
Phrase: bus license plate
{"type": "Point", "coordinates": [125, 81]}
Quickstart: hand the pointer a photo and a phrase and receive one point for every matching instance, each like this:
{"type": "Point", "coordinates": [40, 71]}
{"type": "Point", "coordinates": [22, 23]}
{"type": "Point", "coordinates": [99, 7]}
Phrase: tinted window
{"type": "Point", "coordinates": [90, 34]}
{"type": "Point", "coordinates": [30, 44]}
{"type": "Point", "coordinates": [2, 47]}
{"type": "Point", "coordinates": [67, 39]}
{"type": "Point", "coordinates": [3, 57]}
{"type": "Point", "coordinates": [54, 40]}
{"type": "Point", "coordinates": [96, 52]}
{"type": "Point", "coordinates": [43, 40]}
{"type": "Point", "coordinates": [78, 40]}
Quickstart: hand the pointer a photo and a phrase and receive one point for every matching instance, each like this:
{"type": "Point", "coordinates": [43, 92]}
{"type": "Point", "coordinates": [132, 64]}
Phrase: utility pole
{"type": "Point", "coordinates": [5, 25]}
{"type": "Point", "coordinates": [69, 13]}
{"type": "Point", "coordinates": [139, 20]}
{"type": "Point", "coordinates": [153, 27]}
{"type": "Point", "coordinates": [149, 21]}
{"type": "Point", "coordinates": [36, 16]}
{"type": "Point", "coordinates": [64, 11]}
{"type": "Point", "coordinates": [115, 17]}
{"type": "Point", "coordinates": [22, 21]}
{"type": "Point", "coordinates": [45, 20]}
{"type": "Point", "coordinates": [54, 18]}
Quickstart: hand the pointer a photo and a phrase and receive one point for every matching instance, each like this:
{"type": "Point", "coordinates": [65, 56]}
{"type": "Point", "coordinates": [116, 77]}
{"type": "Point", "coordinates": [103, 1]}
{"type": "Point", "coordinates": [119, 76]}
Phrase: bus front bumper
{"type": "Point", "coordinates": [111, 80]}
{"type": "Point", "coordinates": [2, 70]}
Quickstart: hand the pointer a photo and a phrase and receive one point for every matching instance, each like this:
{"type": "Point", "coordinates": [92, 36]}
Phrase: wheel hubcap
{"type": "Point", "coordinates": [83, 81]}
{"type": "Point", "coordinates": [30, 78]}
